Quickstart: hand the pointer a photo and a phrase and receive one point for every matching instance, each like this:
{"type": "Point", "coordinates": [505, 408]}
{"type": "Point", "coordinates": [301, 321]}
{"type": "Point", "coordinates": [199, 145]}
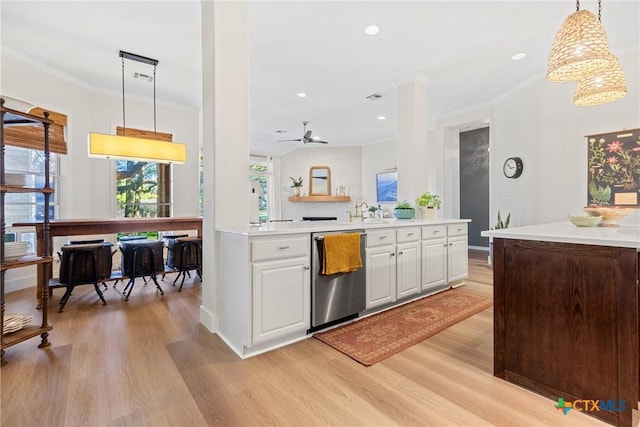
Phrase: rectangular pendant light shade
{"type": "Point", "coordinates": [141, 149]}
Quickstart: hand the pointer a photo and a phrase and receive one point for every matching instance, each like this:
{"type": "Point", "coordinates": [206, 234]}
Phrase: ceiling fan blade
{"type": "Point", "coordinates": [290, 140]}
{"type": "Point", "coordinates": [317, 141]}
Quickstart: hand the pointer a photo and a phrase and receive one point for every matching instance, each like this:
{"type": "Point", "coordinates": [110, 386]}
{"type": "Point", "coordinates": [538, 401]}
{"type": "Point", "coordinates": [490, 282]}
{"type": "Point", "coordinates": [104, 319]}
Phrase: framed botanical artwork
{"type": "Point", "coordinates": [387, 186]}
{"type": "Point", "coordinates": [614, 168]}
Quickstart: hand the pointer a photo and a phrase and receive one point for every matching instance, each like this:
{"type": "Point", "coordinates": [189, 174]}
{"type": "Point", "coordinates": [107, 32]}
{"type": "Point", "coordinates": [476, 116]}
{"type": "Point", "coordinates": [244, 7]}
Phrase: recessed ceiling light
{"type": "Point", "coordinates": [301, 95]}
{"type": "Point", "coordinates": [518, 56]}
{"type": "Point", "coordinates": [371, 30]}
{"type": "Point", "coordinates": [382, 117]}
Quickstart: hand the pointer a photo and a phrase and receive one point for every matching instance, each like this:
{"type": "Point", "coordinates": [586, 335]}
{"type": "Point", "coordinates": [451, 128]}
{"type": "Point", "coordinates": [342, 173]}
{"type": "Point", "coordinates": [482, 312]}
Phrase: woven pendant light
{"type": "Point", "coordinates": [602, 86]}
{"type": "Point", "coordinates": [580, 47]}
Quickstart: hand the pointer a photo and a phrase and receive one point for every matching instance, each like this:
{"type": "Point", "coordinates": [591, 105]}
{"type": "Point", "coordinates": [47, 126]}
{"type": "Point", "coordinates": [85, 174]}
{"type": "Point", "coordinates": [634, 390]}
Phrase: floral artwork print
{"type": "Point", "coordinates": [614, 168]}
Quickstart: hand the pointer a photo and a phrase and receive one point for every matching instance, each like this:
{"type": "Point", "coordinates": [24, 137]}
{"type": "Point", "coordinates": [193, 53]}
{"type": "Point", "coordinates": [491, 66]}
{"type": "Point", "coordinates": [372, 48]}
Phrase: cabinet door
{"type": "Point", "coordinates": [434, 264]}
{"type": "Point", "coordinates": [281, 298]}
{"type": "Point", "coordinates": [408, 269]}
{"type": "Point", "coordinates": [381, 276]}
{"type": "Point", "coordinates": [458, 263]}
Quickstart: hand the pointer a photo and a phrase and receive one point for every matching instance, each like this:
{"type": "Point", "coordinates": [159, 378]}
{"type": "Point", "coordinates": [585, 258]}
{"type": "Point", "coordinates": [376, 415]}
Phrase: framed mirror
{"type": "Point", "coordinates": [319, 181]}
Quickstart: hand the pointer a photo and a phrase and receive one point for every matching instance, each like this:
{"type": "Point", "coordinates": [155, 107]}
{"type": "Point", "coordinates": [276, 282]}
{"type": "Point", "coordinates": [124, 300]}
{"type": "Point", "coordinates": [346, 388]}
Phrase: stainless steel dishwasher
{"type": "Point", "coordinates": [338, 296]}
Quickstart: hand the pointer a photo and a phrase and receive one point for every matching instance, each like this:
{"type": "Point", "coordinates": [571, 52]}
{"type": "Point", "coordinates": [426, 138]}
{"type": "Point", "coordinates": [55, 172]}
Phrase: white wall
{"type": "Point", "coordinates": [539, 123]}
{"type": "Point", "coordinates": [346, 168]}
{"type": "Point", "coordinates": [87, 184]}
{"type": "Point", "coordinates": [377, 157]}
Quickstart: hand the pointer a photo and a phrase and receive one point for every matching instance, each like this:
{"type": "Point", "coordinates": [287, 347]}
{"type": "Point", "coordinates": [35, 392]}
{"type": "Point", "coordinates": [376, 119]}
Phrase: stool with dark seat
{"type": "Point", "coordinates": [141, 258]}
{"type": "Point", "coordinates": [185, 255]}
{"type": "Point", "coordinates": [82, 264]}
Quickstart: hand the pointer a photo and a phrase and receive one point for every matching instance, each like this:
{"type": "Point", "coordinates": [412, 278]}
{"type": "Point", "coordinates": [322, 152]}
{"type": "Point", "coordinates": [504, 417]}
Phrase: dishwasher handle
{"type": "Point", "coordinates": [322, 237]}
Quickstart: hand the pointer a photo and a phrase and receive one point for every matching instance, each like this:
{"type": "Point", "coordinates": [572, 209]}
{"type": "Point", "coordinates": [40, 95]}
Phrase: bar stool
{"type": "Point", "coordinates": [82, 264]}
{"type": "Point", "coordinates": [187, 256]}
{"type": "Point", "coordinates": [141, 258]}
{"type": "Point", "coordinates": [103, 259]}
{"type": "Point", "coordinates": [170, 241]}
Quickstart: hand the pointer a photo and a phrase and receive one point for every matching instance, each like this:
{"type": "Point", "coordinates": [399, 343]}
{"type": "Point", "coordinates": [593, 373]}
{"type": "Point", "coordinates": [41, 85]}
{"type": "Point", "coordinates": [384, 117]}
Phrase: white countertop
{"type": "Point", "coordinates": [274, 228]}
{"type": "Point", "coordinates": [624, 236]}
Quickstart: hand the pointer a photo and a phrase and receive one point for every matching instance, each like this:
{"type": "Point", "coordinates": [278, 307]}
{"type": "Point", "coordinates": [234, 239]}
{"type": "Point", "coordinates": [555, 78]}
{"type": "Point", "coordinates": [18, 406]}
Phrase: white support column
{"type": "Point", "coordinates": [231, 108]}
{"type": "Point", "coordinates": [412, 138]}
{"type": "Point", "coordinates": [225, 136]}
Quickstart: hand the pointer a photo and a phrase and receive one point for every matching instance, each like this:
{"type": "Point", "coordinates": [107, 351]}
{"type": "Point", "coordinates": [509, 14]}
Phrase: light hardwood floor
{"type": "Point", "coordinates": [148, 362]}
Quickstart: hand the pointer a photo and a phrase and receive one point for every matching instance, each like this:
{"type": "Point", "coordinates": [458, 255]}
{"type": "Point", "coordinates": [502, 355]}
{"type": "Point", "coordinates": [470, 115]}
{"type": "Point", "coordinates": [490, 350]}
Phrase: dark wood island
{"type": "Point", "coordinates": [566, 315]}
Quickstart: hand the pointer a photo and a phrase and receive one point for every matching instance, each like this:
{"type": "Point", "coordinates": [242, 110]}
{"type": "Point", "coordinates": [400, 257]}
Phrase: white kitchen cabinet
{"type": "Point", "coordinates": [408, 262]}
{"type": "Point", "coordinates": [444, 255]}
{"type": "Point", "coordinates": [457, 252]}
{"type": "Point", "coordinates": [381, 268]}
{"type": "Point", "coordinates": [434, 264]}
{"type": "Point", "coordinates": [393, 265]}
{"type": "Point", "coordinates": [281, 288]}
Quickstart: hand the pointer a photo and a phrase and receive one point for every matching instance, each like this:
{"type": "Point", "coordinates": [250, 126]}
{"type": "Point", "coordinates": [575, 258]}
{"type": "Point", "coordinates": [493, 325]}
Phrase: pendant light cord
{"type": "Point", "coordinates": [155, 134]}
{"type": "Point", "coordinates": [599, 10]}
{"type": "Point", "coordinates": [124, 123]}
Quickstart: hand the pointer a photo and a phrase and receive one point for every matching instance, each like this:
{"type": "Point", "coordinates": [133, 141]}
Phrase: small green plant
{"type": "Point", "coordinates": [404, 205]}
{"type": "Point", "coordinates": [429, 200]}
{"type": "Point", "coordinates": [500, 224]}
{"type": "Point", "coordinates": [373, 209]}
{"type": "Point", "coordinates": [296, 182]}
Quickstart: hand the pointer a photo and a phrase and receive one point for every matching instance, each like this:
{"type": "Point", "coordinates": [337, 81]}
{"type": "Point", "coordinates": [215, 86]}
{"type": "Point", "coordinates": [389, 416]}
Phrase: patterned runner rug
{"type": "Point", "coordinates": [381, 335]}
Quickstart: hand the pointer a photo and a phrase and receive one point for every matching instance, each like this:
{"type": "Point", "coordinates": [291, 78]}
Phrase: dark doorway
{"type": "Point", "coordinates": [474, 183]}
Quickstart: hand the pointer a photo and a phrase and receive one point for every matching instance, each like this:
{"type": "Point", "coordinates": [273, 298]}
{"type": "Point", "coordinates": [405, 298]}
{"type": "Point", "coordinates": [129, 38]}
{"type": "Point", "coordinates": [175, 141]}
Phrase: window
{"type": "Point", "coordinates": [142, 189]}
{"type": "Point", "coordinates": [258, 173]}
{"type": "Point", "coordinates": [29, 207]}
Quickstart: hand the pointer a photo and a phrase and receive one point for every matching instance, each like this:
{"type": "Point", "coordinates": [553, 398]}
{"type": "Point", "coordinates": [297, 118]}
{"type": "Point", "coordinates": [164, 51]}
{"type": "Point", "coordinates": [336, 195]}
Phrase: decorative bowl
{"type": "Point", "coordinates": [584, 220]}
{"type": "Point", "coordinates": [404, 213]}
{"type": "Point", "coordinates": [610, 214]}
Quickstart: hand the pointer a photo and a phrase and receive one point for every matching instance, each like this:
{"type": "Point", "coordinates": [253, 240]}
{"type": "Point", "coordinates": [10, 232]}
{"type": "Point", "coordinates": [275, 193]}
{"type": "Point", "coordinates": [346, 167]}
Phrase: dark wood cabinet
{"type": "Point", "coordinates": [566, 321]}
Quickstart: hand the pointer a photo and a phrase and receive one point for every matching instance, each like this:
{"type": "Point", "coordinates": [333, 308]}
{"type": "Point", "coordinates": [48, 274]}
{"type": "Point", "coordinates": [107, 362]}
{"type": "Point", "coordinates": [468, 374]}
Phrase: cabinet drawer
{"type": "Point", "coordinates": [457, 230]}
{"type": "Point", "coordinates": [274, 248]}
{"type": "Point", "coordinates": [380, 237]}
{"type": "Point", "coordinates": [434, 232]}
{"type": "Point", "coordinates": [409, 234]}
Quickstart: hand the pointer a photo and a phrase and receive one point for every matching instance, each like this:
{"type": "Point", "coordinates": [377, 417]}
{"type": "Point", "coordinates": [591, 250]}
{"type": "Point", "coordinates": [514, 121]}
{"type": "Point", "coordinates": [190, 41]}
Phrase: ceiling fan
{"type": "Point", "coordinates": [306, 138]}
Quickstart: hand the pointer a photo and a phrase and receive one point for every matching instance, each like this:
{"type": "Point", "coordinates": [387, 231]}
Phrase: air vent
{"type": "Point", "coordinates": [374, 96]}
{"type": "Point", "coordinates": [142, 76]}
{"type": "Point", "coordinates": [281, 131]}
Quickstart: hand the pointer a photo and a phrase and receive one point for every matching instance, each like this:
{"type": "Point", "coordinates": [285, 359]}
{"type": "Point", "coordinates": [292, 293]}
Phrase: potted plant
{"type": "Point", "coordinates": [296, 185]}
{"type": "Point", "coordinates": [404, 210]}
{"type": "Point", "coordinates": [428, 203]}
{"type": "Point", "coordinates": [499, 225]}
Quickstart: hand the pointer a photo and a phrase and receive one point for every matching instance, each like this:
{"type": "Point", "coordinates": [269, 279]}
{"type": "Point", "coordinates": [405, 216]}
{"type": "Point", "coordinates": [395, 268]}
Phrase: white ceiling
{"type": "Point", "coordinates": [463, 48]}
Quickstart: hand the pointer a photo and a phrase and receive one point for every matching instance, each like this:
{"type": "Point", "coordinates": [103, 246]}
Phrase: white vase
{"type": "Point", "coordinates": [427, 212]}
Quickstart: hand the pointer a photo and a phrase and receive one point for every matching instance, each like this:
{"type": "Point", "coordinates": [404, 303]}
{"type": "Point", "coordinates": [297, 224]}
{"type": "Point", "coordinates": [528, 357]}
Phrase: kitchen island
{"type": "Point", "coordinates": [265, 290]}
{"type": "Point", "coordinates": [566, 315]}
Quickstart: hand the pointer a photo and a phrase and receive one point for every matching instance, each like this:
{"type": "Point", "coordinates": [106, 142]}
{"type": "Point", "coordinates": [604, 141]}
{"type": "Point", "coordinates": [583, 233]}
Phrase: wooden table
{"type": "Point", "coordinates": [83, 227]}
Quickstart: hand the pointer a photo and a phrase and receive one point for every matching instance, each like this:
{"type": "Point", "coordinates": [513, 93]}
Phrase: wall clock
{"type": "Point", "coordinates": [512, 167]}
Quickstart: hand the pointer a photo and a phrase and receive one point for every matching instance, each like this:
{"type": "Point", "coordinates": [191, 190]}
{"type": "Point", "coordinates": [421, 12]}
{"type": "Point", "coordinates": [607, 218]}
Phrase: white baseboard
{"type": "Point", "coordinates": [20, 278]}
{"type": "Point", "coordinates": [209, 319]}
{"type": "Point", "coordinates": [479, 248]}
